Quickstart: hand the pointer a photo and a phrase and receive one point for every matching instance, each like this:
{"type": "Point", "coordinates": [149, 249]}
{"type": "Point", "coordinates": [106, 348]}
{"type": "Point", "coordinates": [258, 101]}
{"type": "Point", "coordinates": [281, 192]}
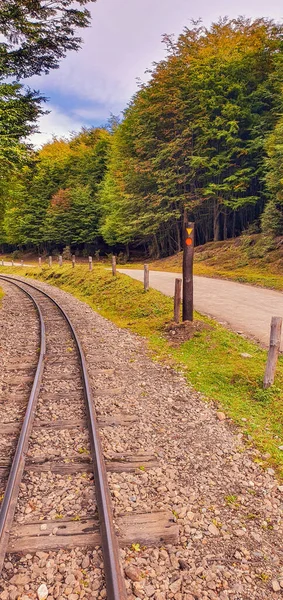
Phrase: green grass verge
{"type": "Point", "coordinates": [254, 259]}
{"type": "Point", "coordinates": [1, 296]}
{"type": "Point", "coordinates": [212, 360]}
{"type": "Point", "coordinates": [250, 275]}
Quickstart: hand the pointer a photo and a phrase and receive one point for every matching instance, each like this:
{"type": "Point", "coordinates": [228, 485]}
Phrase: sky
{"type": "Point", "coordinates": [124, 39]}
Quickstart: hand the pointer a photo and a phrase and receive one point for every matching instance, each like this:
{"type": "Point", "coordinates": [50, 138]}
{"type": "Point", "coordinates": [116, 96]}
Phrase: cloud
{"type": "Point", "coordinates": [54, 124]}
{"type": "Point", "coordinates": [123, 41]}
{"type": "Point", "coordinates": [93, 114]}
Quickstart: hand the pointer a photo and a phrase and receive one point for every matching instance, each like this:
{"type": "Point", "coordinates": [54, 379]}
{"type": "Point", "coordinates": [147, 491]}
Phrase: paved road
{"type": "Point", "coordinates": [244, 307]}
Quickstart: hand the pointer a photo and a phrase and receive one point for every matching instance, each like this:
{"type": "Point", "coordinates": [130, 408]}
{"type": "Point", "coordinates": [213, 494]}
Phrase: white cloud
{"type": "Point", "coordinates": [95, 114]}
{"type": "Point", "coordinates": [56, 123]}
{"type": "Point", "coordinates": [125, 38]}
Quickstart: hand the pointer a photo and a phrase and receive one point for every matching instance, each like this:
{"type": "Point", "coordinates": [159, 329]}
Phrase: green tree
{"type": "Point", "coordinates": [71, 218]}
{"type": "Point", "coordinates": [192, 142]}
{"type": "Point", "coordinates": [54, 200]}
{"type": "Point", "coordinates": [272, 218]}
{"type": "Point", "coordinates": [38, 33]}
{"type": "Point", "coordinates": [18, 115]}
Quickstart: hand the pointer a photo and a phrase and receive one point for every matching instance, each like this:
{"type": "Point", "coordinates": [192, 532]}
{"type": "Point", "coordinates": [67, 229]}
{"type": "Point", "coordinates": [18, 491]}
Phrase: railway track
{"type": "Point", "coordinates": [52, 319]}
{"type": "Point", "coordinates": [59, 437]}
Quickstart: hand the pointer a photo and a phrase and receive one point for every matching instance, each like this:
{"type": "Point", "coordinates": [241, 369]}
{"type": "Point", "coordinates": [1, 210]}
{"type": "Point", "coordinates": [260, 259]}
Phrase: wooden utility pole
{"type": "Point", "coordinates": [274, 348]}
{"type": "Point", "coordinates": [188, 262]}
{"type": "Point", "coordinates": [177, 300]}
{"type": "Point", "coordinates": [113, 265]}
{"type": "Point", "coordinates": [146, 278]}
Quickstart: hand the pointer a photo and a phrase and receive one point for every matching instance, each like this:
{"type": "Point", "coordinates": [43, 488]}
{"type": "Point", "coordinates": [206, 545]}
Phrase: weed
{"type": "Point", "coordinates": [232, 501]}
{"type": "Point", "coordinates": [217, 523]}
{"type": "Point", "coordinates": [83, 451]}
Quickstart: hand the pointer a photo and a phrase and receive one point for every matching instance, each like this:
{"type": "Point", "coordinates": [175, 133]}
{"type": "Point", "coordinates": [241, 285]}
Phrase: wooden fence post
{"type": "Point", "coordinates": [22, 263]}
{"type": "Point", "coordinates": [146, 278]}
{"type": "Point", "coordinates": [274, 347]}
{"type": "Point", "coordinates": [12, 262]}
{"type": "Point", "coordinates": [113, 265]}
{"type": "Point", "coordinates": [60, 260]}
{"type": "Point", "coordinates": [177, 300]}
{"type": "Point", "coordinates": [39, 262]}
{"type": "Point", "coordinates": [90, 263]}
{"type": "Point", "coordinates": [50, 261]}
{"type": "Point", "coordinates": [73, 261]}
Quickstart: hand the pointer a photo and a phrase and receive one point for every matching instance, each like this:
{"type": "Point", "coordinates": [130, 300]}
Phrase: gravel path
{"type": "Point", "coordinates": [245, 308]}
{"type": "Point", "coordinates": [229, 510]}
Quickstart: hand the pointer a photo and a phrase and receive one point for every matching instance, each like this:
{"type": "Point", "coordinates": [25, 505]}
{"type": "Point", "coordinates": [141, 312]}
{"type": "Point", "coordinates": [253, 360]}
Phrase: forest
{"type": "Point", "coordinates": [201, 140]}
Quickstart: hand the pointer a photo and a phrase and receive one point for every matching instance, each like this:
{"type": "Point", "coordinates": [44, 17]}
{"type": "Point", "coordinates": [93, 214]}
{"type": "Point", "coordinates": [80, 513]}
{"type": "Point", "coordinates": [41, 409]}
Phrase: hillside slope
{"type": "Point", "coordinates": [254, 259]}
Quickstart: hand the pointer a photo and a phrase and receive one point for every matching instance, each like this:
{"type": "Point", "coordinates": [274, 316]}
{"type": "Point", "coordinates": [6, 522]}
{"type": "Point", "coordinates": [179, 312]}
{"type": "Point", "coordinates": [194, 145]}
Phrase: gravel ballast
{"type": "Point", "coordinates": [228, 509]}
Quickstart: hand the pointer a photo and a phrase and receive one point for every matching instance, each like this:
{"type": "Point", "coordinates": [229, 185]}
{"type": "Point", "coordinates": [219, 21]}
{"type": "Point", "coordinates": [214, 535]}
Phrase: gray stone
{"type": "Point", "coordinates": [213, 529]}
{"type": "Point", "coordinates": [221, 416]}
{"type": "Point", "coordinates": [20, 579]}
{"type": "Point", "coordinates": [133, 573]}
{"type": "Point", "coordinates": [275, 585]}
{"type": "Point", "coordinates": [42, 592]}
{"type": "Point", "coordinates": [149, 590]}
{"type": "Point", "coordinates": [86, 562]}
{"type": "Point", "coordinates": [175, 586]}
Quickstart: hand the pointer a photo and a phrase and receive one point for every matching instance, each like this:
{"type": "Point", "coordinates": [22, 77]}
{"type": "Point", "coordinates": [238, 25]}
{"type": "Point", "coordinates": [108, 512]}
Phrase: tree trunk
{"type": "Point", "coordinates": [157, 252]}
{"type": "Point", "coordinates": [216, 222]}
{"type": "Point", "coordinates": [178, 238]}
{"type": "Point", "coordinates": [185, 216]}
{"type": "Point", "coordinates": [233, 225]}
{"type": "Point", "coordinates": [225, 224]}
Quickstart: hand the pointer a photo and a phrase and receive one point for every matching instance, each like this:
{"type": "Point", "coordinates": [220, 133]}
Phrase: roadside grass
{"type": "Point", "coordinates": [254, 259]}
{"type": "Point", "coordinates": [1, 296]}
{"type": "Point", "coordinates": [212, 361]}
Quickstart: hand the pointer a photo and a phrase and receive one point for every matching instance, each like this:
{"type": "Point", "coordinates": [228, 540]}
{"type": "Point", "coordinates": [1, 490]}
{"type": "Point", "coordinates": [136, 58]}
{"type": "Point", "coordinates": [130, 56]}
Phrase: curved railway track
{"type": "Point", "coordinates": [48, 310]}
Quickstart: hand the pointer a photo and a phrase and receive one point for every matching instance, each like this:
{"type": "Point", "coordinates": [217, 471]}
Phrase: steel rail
{"type": "Point", "coordinates": [115, 583]}
{"type": "Point", "coordinates": [15, 476]}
